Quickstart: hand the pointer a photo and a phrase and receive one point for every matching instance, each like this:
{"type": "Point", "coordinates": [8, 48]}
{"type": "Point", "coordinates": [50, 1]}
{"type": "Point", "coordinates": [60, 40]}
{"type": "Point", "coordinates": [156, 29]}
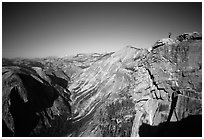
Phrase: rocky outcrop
{"type": "Point", "coordinates": [30, 103]}
{"type": "Point", "coordinates": [132, 92]}
{"type": "Point", "coordinates": [177, 95]}
{"type": "Point", "coordinates": [160, 86]}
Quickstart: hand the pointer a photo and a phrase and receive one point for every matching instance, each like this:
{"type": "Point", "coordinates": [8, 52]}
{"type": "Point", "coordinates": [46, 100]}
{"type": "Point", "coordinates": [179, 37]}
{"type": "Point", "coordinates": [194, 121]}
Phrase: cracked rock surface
{"type": "Point", "coordinates": [131, 92]}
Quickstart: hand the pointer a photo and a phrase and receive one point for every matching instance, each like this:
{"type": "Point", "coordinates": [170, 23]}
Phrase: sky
{"type": "Point", "coordinates": [33, 30]}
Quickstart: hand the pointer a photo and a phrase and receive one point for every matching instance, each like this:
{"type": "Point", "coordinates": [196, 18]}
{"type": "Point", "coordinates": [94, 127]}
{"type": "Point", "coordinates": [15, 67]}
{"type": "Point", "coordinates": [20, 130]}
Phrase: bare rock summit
{"type": "Point", "coordinates": [132, 92]}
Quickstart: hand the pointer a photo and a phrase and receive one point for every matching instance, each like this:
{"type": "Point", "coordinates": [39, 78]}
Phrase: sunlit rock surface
{"type": "Point", "coordinates": [131, 92]}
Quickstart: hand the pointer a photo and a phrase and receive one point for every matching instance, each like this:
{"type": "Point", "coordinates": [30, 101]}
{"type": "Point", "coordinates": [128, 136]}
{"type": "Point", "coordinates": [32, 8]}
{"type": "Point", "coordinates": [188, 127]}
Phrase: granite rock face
{"type": "Point", "coordinates": [131, 92]}
{"type": "Point", "coordinates": [163, 85]}
{"type": "Point", "coordinates": [32, 102]}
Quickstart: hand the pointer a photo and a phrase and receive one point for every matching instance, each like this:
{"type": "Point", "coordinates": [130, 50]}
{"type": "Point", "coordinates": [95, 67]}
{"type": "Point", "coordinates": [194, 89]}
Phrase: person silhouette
{"type": "Point", "coordinates": [169, 34]}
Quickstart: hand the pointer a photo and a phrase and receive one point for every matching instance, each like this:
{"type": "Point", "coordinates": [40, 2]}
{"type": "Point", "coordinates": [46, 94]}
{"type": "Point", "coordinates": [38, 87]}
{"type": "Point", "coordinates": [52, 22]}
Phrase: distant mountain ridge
{"type": "Point", "coordinates": [111, 94]}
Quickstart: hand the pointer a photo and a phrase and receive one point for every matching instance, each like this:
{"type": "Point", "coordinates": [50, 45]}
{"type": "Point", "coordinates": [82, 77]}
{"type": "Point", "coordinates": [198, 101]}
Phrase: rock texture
{"type": "Point", "coordinates": [31, 102]}
{"type": "Point", "coordinates": [132, 92]}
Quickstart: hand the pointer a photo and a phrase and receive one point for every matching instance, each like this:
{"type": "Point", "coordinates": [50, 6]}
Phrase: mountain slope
{"type": "Point", "coordinates": [131, 92]}
{"type": "Point", "coordinates": [152, 84]}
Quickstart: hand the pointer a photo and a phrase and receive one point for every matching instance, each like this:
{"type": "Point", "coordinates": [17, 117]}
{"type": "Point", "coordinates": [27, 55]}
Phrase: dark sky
{"type": "Point", "coordinates": [59, 29]}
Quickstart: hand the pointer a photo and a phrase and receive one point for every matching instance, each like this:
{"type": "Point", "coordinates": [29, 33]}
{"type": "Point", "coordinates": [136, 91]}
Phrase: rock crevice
{"type": "Point", "coordinates": [132, 92]}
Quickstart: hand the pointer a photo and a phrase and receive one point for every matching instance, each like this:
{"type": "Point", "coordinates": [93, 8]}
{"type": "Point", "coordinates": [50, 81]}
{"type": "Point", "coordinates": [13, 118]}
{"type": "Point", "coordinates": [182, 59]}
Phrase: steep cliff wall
{"type": "Point", "coordinates": [133, 87]}
{"type": "Point", "coordinates": [132, 92]}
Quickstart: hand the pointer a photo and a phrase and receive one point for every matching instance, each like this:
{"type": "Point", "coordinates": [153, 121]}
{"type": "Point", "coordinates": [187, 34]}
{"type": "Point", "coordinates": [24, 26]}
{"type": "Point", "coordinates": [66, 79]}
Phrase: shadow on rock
{"type": "Point", "coordinates": [6, 132]}
{"type": "Point", "coordinates": [187, 127]}
{"type": "Point", "coordinates": [25, 107]}
{"type": "Point", "coordinates": [23, 115]}
{"type": "Point", "coordinates": [59, 81]}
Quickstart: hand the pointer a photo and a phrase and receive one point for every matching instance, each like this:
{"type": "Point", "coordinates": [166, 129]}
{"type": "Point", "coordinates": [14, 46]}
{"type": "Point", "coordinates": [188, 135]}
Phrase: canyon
{"type": "Point", "coordinates": [131, 92]}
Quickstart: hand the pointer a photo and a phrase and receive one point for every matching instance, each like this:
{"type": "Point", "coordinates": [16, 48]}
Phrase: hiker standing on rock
{"type": "Point", "coordinates": [169, 34]}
